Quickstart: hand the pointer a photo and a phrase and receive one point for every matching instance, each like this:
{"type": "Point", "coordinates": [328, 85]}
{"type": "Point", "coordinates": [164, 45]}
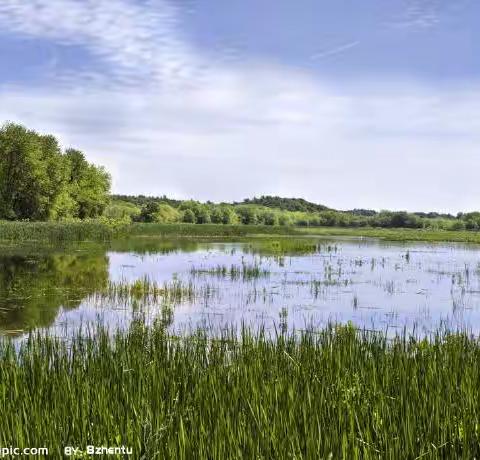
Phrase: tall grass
{"type": "Point", "coordinates": [234, 272]}
{"type": "Point", "coordinates": [55, 232]}
{"type": "Point", "coordinates": [396, 234]}
{"type": "Point", "coordinates": [146, 289]}
{"type": "Point", "coordinates": [210, 230]}
{"type": "Point", "coordinates": [102, 230]}
{"type": "Point", "coordinates": [334, 394]}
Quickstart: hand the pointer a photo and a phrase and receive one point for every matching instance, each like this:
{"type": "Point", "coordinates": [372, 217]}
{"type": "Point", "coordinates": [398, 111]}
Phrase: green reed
{"type": "Point", "coordinates": [105, 229]}
{"type": "Point", "coordinates": [151, 291]}
{"type": "Point", "coordinates": [337, 393]}
{"type": "Point", "coordinates": [57, 232]}
{"type": "Point", "coordinates": [245, 271]}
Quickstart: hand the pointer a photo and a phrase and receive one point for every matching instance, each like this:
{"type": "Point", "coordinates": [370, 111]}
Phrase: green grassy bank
{"type": "Point", "coordinates": [211, 230]}
{"type": "Point", "coordinates": [105, 230]}
{"type": "Point", "coordinates": [60, 231]}
{"type": "Point", "coordinates": [215, 230]}
{"type": "Point", "coordinates": [396, 234]}
{"type": "Point", "coordinates": [335, 394]}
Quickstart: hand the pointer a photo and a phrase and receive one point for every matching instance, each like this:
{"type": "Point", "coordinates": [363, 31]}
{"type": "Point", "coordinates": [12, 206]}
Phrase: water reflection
{"type": "Point", "coordinates": [34, 287]}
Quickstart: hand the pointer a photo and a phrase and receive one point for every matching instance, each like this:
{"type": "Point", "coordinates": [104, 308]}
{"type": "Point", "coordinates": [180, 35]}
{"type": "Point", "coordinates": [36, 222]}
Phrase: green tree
{"type": "Point", "coordinates": [88, 185]}
{"type": "Point", "coordinates": [269, 218]}
{"type": "Point", "coordinates": [148, 211]}
{"type": "Point", "coordinates": [39, 182]}
{"type": "Point", "coordinates": [216, 215]}
{"type": "Point", "coordinates": [247, 215]}
{"type": "Point", "coordinates": [32, 174]}
{"type": "Point", "coordinates": [229, 216]}
{"type": "Point", "coordinates": [189, 216]}
{"type": "Point", "coordinates": [202, 215]}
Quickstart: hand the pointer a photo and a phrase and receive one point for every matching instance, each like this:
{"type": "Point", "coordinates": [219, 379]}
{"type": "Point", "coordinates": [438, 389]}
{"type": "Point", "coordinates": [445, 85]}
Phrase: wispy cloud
{"type": "Point", "coordinates": [137, 39]}
{"type": "Point", "coordinates": [335, 50]}
{"type": "Point", "coordinates": [425, 14]}
{"type": "Point", "coordinates": [421, 13]}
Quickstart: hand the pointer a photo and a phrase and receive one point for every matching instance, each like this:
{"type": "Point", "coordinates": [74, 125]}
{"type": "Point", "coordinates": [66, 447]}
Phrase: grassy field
{"type": "Point", "coordinates": [336, 394]}
{"type": "Point", "coordinates": [98, 231]}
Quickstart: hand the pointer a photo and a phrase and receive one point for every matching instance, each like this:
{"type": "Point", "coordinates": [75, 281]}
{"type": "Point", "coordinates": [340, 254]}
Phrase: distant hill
{"type": "Point", "coordinates": [287, 204]}
{"type": "Point", "coordinates": [276, 202]}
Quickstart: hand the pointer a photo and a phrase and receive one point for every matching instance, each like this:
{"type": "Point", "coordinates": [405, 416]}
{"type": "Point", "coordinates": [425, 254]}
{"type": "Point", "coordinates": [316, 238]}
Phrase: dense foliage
{"type": "Point", "coordinates": [39, 181]}
{"type": "Point", "coordinates": [163, 210]}
{"type": "Point", "coordinates": [333, 394]}
{"type": "Point", "coordinates": [286, 204]}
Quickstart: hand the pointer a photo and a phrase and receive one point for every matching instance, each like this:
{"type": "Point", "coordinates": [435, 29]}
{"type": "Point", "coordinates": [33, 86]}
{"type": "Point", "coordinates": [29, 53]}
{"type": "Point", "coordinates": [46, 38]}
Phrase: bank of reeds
{"type": "Point", "coordinates": [59, 232]}
{"type": "Point", "coordinates": [337, 394]}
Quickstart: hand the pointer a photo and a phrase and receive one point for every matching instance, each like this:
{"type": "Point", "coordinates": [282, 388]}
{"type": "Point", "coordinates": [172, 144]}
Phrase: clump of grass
{"type": "Point", "coordinates": [146, 289]}
{"type": "Point", "coordinates": [284, 246]}
{"type": "Point", "coordinates": [338, 393]}
{"type": "Point", "coordinates": [234, 272]}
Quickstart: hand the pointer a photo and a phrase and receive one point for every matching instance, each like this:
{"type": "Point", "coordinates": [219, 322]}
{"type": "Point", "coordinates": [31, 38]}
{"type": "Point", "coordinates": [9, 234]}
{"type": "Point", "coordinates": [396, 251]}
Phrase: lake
{"type": "Point", "coordinates": [277, 283]}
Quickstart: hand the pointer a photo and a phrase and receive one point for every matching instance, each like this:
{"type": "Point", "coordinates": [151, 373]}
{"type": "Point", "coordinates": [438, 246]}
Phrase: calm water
{"type": "Point", "coordinates": [279, 283]}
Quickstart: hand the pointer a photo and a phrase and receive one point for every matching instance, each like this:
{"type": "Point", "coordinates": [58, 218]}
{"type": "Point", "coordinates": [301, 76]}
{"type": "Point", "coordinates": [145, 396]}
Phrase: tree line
{"type": "Point", "coordinates": [160, 210]}
{"type": "Point", "coordinates": [40, 181]}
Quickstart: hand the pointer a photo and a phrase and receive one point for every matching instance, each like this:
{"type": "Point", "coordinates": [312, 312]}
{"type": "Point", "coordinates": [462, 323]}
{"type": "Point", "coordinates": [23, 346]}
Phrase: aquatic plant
{"type": "Point", "coordinates": [244, 271]}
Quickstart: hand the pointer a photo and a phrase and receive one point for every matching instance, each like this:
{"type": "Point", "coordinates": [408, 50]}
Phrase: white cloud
{"type": "Point", "coordinates": [272, 131]}
{"type": "Point", "coordinates": [247, 130]}
{"type": "Point", "coordinates": [140, 39]}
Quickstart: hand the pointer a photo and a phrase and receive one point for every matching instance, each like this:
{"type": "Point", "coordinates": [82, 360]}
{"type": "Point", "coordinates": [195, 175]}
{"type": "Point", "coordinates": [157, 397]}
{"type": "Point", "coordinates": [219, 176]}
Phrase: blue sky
{"type": "Point", "coordinates": [351, 104]}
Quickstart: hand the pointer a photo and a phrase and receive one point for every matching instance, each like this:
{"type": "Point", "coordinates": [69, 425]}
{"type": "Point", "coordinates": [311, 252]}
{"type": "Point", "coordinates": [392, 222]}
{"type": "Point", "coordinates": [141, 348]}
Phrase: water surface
{"type": "Point", "coordinates": [279, 283]}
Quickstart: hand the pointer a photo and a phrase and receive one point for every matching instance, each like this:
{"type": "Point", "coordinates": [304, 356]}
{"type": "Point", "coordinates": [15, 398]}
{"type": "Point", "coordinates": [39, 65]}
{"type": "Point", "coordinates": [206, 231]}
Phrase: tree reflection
{"type": "Point", "coordinates": [34, 288]}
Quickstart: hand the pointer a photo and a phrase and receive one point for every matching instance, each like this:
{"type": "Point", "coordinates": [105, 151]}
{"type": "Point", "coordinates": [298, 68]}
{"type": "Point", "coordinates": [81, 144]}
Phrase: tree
{"type": "Point", "coordinates": [202, 215]}
{"type": "Point", "coordinates": [32, 174]}
{"type": "Point", "coordinates": [88, 185]}
{"type": "Point", "coordinates": [284, 219]}
{"type": "Point", "coordinates": [216, 215]}
{"type": "Point", "coordinates": [189, 216]}
{"type": "Point", "coordinates": [228, 215]}
{"type": "Point", "coordinates": [39, 182]}
{"type": "Point", "coordinates": [269, 218]}
{"type": "Point", "coordinates": [247, 215]}
{"type": "Point", "coordinates": [148, 211]}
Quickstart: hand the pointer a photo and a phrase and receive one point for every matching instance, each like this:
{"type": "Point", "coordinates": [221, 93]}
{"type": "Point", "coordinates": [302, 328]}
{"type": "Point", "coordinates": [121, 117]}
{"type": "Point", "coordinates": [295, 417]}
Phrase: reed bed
{"type": "Point", "coordinates": [337, 393]}
{"type": "Point", "coordinates": [210, 230]}
{"type": "Point", "coordinates": [149, 290]}
{"type": "Point", "coordinates": [102, 230]}
{"type": "Point", "coordinates": [245, 271]}
{"type": "Point", "coordinates": [57, 232]}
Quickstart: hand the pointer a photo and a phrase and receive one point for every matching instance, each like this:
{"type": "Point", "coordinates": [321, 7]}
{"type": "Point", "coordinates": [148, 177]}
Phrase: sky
{"type": "Point", "coordinates": [351, 104]}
